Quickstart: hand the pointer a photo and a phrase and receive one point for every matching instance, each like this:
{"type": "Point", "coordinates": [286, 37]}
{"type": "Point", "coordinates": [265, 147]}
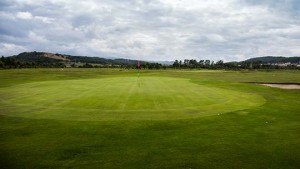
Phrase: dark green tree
{"type": "Point", "coordinates": [176, 64]}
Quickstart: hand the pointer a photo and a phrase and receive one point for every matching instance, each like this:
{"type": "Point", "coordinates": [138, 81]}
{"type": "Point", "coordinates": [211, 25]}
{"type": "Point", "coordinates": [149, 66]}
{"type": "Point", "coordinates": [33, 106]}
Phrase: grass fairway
{"type": "Point", "coordinates": [125, 98]}
{"type": "Point", "coordinates": [106, 118]}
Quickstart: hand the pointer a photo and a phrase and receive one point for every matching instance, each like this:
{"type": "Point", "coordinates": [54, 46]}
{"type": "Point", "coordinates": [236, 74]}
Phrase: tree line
{"type": "Point", "coordinates": [203, 64]}
{"type": "Point", "coordinates": [208, 64]}
{"type": "Point", "coordinates": [10, 62]}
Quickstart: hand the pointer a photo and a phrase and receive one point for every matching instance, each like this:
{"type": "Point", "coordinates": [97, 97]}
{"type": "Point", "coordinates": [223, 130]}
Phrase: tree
{"type": "Point", "coordinates": [207, 63]}
{"type": "Point", "coordinates": [193, 63]}
{"type": "Point", "coordinates": [212, 63]}
{"type": "Point", "coordinates": [201, 63]}
{"type": "Point", "coordinates": [87, 65]}
{"type": "Point", "coordinates": [220, 62]}
{"type": "Point", "coordinates": [186, 62]}
{"type": "Point", "coordinates": [176, 64]}
{"type": "Point", "coordinates": [1, 64]}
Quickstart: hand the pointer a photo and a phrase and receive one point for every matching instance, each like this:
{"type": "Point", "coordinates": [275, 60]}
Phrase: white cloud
{"type": "Point", "coordinates": [36, 38]}
{"type": "Point", "coordinates": [11, 49]}
{"type": "Point", "coordinates": [44, 19]}
{"type": "Point", "coordinates": [29, 16]}
{"type": "Point", "coordinates": [24, 15]}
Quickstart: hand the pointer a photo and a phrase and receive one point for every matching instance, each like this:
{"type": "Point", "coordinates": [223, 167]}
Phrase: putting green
{"type": "Point", "coordinates": [122, 98]}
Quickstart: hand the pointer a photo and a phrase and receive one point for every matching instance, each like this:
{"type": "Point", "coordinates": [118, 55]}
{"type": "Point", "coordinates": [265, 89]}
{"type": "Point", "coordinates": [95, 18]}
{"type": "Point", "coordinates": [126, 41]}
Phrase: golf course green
{"type": "Point", "coordinates": [111, 118]}
{"type": "Point", "coordinates": [152, 98]}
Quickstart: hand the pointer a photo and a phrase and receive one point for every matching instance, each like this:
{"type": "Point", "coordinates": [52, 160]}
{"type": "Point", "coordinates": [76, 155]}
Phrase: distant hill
{"type": "Point", "coordinates": [40, 57]}
{"type": "Point", "coordinates": [274, 59]}
{"type": "Point", "coordinates": [50, 58]}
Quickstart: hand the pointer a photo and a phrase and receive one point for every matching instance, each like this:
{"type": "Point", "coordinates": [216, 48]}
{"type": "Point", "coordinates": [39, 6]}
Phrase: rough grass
{"type": "Point", "coordinates": [260, 136]}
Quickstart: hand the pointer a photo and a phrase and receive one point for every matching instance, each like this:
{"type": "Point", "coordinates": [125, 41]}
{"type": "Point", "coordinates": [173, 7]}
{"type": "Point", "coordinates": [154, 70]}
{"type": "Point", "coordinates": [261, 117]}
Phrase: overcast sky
{"type": "Point", "coordinates": [152, 29]}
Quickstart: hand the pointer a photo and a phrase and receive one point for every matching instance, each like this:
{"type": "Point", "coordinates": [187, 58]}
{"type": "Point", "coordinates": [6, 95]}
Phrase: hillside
{"type": "Point", "coordinates": [40, 57]}
{"type": "Point", "coordinates": [50, 58]}
{"type": "Point", "coordinates": [274, 59]}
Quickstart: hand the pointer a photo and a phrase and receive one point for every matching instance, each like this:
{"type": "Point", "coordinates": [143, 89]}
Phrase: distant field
{"type": "Point", "coordinates": [111, 118]}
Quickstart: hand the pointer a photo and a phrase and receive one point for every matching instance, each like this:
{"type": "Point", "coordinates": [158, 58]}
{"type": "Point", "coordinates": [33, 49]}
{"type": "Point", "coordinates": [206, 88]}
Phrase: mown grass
{"type": "Point", "coordinates": [266, 136]}
{"type": "Point", "coordinates": [122, 98]}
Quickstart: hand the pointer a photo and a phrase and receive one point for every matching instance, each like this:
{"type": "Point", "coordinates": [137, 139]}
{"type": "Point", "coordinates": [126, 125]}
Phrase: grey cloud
{"type": "Point", "coordinates": [153, 29]}
{"type": "Point", "coordinates": [4, 4]}
{"type": "Point", "coordinates": [291, 7]}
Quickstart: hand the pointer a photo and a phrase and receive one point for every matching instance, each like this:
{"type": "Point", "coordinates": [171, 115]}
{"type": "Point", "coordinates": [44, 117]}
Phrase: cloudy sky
{"type": "Point", "coordinates": [152, 29]}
